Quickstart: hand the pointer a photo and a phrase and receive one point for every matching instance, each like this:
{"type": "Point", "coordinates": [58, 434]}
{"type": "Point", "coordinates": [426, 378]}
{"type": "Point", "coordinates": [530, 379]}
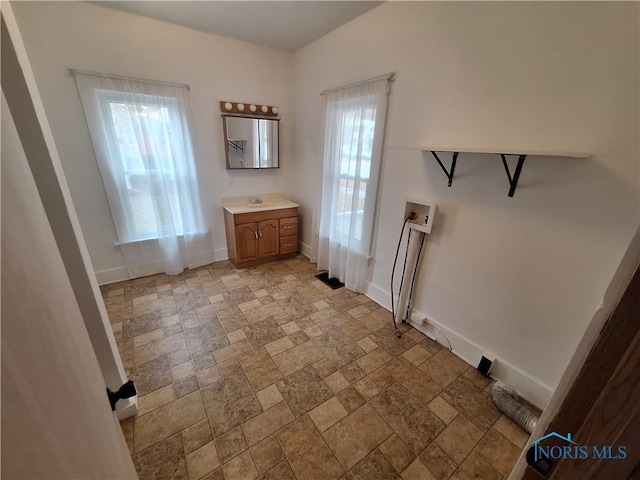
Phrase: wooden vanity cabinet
{"type": "Point", "coordinates": [259, 237]}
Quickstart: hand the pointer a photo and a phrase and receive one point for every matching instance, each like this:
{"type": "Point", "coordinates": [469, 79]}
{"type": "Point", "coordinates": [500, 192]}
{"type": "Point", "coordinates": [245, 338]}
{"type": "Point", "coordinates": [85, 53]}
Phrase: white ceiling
{"type": "Point", "coordinates": [287, 25]}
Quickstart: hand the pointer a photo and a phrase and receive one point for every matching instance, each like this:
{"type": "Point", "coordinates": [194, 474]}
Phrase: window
{"type": "Point", "coordinates": [354, 131]}
{"type": "Point", "coordinates": [357, 133]}
{"type": "Point", "coordinates": [144, 136]}
{"type": "Point", "coordinates": [141, 138]}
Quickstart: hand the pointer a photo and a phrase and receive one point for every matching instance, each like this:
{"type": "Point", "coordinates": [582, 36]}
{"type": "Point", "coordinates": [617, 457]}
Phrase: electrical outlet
{"type": "Point", "coordinates": [486, 363]}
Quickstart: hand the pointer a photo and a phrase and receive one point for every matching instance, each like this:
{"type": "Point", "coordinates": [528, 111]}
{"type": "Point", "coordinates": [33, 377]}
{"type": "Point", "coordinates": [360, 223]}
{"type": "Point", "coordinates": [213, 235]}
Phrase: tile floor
{"type": "Point", "coordinates": [267, 373]}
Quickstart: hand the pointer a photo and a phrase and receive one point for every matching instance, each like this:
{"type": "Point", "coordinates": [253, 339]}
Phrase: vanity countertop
{"type": "Point", "coordinates": [244, 204]}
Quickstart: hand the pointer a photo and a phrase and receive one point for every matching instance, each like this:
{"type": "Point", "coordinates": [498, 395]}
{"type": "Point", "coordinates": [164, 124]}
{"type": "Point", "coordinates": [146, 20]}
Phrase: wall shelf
{"type": "Point", "coordinates": [513, 177]}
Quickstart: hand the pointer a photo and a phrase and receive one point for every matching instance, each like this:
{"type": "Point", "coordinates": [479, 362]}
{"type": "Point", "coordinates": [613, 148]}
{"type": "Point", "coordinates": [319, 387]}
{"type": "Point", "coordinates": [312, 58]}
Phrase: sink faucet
{"type": "Point", "coordinates": [256, 200]}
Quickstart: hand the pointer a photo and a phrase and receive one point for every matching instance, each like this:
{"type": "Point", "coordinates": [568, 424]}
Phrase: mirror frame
{"type": "Point", "coordinates": [226, 139]}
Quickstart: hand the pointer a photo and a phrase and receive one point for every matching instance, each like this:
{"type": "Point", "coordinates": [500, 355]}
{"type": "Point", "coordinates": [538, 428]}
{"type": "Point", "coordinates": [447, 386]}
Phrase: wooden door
{"type": "Point", "coordinates": [268, 238]}
{"type": "Point", "coordinates": [247, 242]}
{"type": "Point", "coordinates": [598, 399]}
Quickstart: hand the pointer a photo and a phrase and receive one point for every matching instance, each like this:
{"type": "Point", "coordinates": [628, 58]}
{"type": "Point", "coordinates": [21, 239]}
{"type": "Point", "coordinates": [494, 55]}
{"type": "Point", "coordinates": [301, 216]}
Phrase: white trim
{"type": "Point", "coordinates": [119, 274]}
{"type": "Point", "coordinates": [378, 295]}
{"type": "Point", "coordinates": [112, 275]}
{"type": "Point", "coordinates": [220, 254]}
{"type": "Point", "coordinates": [304, 249]}
{"type": "Point", "coordinates": [529, 388]}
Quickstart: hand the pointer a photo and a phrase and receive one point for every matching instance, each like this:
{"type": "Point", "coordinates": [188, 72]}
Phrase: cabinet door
{"type": "Point", "coordinates": [247, 242]}
{"type": "Point", "coordinates": [268, 238]}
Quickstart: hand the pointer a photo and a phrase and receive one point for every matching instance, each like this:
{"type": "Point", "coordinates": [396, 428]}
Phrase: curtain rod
{"type": "Point", "coordinates": [388, 76]}
{"type": "Point", "coordinates": [73, 71]}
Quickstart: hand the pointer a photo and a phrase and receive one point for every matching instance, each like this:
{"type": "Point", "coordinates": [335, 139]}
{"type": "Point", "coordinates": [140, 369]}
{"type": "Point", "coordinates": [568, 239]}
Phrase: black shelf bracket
{"type": "Point", "coordinates": [449, 173]}
{"type": "Point", "coordinates": [513, 179]}
{"type": "Point", "coordinates": [512, 174]}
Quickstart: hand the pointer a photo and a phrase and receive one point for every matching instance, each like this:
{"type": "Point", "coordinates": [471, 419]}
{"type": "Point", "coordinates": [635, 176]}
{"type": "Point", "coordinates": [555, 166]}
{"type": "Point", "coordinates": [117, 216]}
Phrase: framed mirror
{"type": "Point", "coordinates": [251, 142]}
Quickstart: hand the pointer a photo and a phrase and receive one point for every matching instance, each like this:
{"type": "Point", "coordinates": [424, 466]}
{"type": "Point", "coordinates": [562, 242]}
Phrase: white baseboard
{"type": "Point", "coordinates": [304, 249]}
{"type": "Point", "coordinates": [220, 254]}
{"type": "Point", "coordinates": [111, 276]}
{"type": "Point", "coordinates": [529, 388]}
{"type": "Point", "coordinates": [378, 295]}
{"type": "Point", "coordinates": [119, 274]}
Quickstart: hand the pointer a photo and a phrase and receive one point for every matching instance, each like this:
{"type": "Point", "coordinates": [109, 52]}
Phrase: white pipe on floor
{"type": "Point", "coordinates": [415, 240]}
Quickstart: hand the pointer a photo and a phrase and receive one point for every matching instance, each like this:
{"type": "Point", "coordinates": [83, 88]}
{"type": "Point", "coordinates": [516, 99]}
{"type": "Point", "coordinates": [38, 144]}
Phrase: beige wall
{"type": "Point", "coordinates": [56, 419]}
{"type": "Point", "coordinates": [517, 277]}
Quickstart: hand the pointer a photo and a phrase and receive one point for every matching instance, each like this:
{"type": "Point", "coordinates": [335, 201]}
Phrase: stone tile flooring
{"type": "Point", "coordinates": [267, 373]}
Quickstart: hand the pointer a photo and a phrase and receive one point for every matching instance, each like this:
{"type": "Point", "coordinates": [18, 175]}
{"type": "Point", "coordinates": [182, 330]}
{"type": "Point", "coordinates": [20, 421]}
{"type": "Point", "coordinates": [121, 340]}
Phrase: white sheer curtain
{"type": "Point", "coordinates": [141, 137]}
{"type": "Point", "coordinates": [354, 133]}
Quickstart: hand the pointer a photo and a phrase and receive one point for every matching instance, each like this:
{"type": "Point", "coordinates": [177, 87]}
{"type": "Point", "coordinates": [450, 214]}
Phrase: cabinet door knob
{"type": "Point", "coordinates": [256, 232]}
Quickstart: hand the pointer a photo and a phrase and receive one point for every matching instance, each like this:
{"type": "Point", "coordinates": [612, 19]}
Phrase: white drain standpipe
{"type": "Point", "coordinates": [412, 257]}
